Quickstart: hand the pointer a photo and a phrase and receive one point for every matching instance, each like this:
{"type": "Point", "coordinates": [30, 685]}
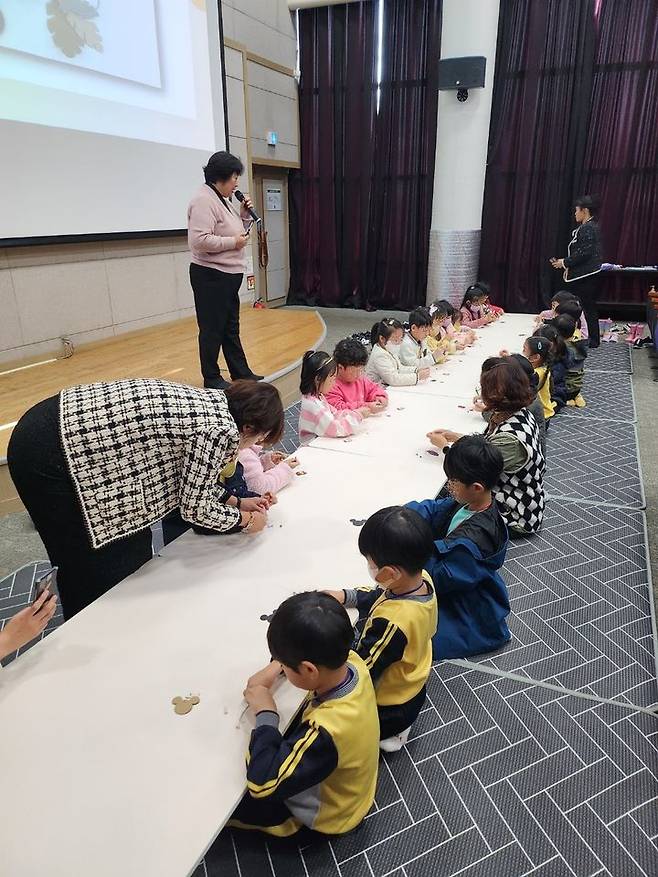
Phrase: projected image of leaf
{"type": "Point", "coordinates": [86, 30]}
{"type": "Point", "coordinates": [70, 23]}
{"type": "Point", "coordinates": [64, 36]}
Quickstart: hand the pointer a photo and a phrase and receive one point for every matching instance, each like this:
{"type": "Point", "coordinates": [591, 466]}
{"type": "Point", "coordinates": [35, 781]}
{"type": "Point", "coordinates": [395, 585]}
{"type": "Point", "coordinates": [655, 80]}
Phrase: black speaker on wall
{"type": "Point", "coordinates": [456, 74]}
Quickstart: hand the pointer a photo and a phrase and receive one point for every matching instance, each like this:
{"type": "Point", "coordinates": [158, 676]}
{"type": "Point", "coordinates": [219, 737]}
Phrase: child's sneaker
{"type": "Point", "coordinates": [395, 743]}
{"type": "Point", "coordinates": [579, 401]}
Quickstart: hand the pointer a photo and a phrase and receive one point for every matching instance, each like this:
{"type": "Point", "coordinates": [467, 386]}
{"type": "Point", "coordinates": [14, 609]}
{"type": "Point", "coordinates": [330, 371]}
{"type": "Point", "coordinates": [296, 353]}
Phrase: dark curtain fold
{"type": "Point", "coordinates": [330, 194]}
{"type": "Point", "coordinates": [405, 144]}
{"type": "Point", "coordinates": [621, 159]}
{"type": "Point", "coordinates": [360, 206]}
{"type": "Point", "coordinates": [538, 129]}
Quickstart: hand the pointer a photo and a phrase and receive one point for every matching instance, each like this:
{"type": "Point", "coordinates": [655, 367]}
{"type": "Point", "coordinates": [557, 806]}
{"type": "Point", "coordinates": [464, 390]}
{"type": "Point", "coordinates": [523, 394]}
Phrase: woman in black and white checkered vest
{"type": "Point", "coordinates": [97, 465]}
{"type": "Point", "coordinates": [506, 394]}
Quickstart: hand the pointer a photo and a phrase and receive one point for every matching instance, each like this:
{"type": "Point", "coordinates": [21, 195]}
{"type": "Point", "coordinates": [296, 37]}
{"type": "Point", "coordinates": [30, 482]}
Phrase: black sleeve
{"type": "Point", "coordinates": [584, 247]}
{"type": "Point", "coordinates": [280, 767]}
{"type": "Point", "coordinates": [382, 644]}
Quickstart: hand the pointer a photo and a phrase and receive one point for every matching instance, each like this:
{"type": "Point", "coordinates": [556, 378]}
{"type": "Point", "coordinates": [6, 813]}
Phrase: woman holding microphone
{"type": "Point", "coordinates": [217, 234]}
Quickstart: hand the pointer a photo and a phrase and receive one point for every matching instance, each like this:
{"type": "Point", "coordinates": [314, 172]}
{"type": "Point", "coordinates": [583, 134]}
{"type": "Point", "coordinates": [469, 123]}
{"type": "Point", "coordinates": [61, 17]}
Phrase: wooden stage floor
{"type": "Point", "coordinates": [274, 340]}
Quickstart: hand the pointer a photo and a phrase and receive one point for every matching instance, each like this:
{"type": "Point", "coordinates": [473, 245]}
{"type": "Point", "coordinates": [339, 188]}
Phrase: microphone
{"type": "Point", "coordinates": [256, 218]}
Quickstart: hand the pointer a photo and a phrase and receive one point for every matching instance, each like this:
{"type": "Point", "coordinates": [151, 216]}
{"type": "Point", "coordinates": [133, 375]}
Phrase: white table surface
{"type": "Point", "coordinates": [99, 774]}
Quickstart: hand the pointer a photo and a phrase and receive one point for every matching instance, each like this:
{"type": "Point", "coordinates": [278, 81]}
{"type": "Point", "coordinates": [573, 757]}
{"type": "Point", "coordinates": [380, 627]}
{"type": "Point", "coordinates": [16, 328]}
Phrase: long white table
{"type": "Point", "coordinates": [99, 774]}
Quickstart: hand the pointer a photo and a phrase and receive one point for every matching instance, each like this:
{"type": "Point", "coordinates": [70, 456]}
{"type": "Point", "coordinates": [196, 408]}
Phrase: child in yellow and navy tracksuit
{"type": "Point", "coordinates": [398, 618]}
{"type": "Point", "coordinates": [322, 772]}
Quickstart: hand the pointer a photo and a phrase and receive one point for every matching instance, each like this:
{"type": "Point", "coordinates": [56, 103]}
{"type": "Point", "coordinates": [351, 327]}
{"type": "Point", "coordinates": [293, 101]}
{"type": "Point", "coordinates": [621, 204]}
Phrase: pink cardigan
{"type": "Point", "coordinates": [212, 232]}
{"type": "Point", "coordinates": [349, 396]}
{"type": "Point", "coordinates": [261, 474]}
{"type": "Point", "coordinates": [318, 417]}
{"type": "Point", "coordinates": [472, 317]}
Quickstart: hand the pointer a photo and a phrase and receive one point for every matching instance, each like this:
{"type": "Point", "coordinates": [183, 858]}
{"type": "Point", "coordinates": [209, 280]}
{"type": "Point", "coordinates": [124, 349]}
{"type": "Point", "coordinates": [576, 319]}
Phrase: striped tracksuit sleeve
{"type": "Point", "coordinates": [381, 644]}
{"type": "Point", "coordinates": [279, 767]}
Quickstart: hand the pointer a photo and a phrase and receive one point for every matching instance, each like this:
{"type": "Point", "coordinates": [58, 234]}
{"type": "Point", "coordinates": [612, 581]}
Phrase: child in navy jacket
{"type": "Point", "coordinates": [469, 548]}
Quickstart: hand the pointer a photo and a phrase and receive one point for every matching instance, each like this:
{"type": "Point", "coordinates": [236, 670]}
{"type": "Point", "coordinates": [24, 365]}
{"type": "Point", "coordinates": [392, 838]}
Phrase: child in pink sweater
{"type": "Point", "coordinates": [317, 416]}
{"type": "Point", "coordinates": [352, 390]}
{"type": "Point", "coordinates": [266, 472]}
{"type": "Point", "coordinates": [473, 315]}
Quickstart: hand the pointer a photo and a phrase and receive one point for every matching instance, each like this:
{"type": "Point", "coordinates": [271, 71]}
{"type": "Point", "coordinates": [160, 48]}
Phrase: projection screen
{"type": "Point", "coordinates": [108, 110]}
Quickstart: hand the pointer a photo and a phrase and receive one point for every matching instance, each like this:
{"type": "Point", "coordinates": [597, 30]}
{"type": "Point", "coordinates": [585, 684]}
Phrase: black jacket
{"type": "Point", "coordinates": [584, 252]}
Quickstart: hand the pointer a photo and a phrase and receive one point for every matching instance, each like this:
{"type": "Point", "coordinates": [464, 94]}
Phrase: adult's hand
{"type": "Point", "coordinates": [258, 521]}
{"type": "Point", "coordinates": [27, 624]}
{"type": "Point", "coordinates": [247, 203]}
{"type": "Point", "coordinates": [254, 504]}
{"type": "Point", "coordinates": [241, 241]}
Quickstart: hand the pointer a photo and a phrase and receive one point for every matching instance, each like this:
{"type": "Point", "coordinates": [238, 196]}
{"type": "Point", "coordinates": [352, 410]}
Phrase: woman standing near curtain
{"type": "Point", "coordinates": [217, 234]}
{"type": "Point", "coordinates": [582, 264]}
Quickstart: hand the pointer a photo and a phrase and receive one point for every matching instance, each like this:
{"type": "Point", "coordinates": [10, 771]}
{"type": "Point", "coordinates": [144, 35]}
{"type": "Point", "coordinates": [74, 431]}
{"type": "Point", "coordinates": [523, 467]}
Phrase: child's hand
{"type": "Point", "coordinates": [478, 405]}
{"type": "Point", "coordinates": [423, 374]}
{"type": "Point", "coordinates": [376, 407]}
{"type": "Point", "coordinates": [270, 497]}
{"type": "Point", "coordinates": [267, 676]}
{"type": "Point", "coordinates": [277, 457]}
{"type": "Point", "coordinates": [438, 439]}
{"type": "Point", "coordinates": [364, 411]}
{"type": "Point", "coordinates": [337, 595]}
{"type": "Point", "coordinates": [27, 624]}
{"type": "Point", "coordinates": [259, 698]}
{"type": "Point", "coordinates": [293, 462]}
{"type": "Point", "coordinates": [503, 353]}
{"type": "Point", "coordinates": [381, 402]}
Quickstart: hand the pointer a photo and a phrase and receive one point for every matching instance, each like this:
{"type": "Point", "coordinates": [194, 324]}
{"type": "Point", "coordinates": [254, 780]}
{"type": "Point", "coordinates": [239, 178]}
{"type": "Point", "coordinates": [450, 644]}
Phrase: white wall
{"type": "Point", "coordinates": [469, 28]}
{"type": "Point", "coordinates": [90, 291]}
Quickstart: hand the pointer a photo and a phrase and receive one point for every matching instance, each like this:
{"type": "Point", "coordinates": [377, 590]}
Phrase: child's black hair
{"type": "Point", "coordinates": [572, 308]}
{"type": "Point", "coordinates": [397, 536]}
{"type": "Point", "coordinates": [474, 293]}
{"type": "Point", "coordinates": [310, 626]}
{"type": "Point", "coordinates": [548, 331]}
{"type": "Point", "coordinates": [439, 310]}
{"type": "Point", "coordinates": [420, 317]}
{"type": "Point", "coordinates": [473, 459]}
{"type": "Point", "coordinates": [384, 329]}
{"type": "Point", "coordinates": [563, 295]}
{"type": "Point", "coordinates": [316, 368]}
{"type": "Point", "coordinates": [565, 326]}
{"type": "Point", "coordinates": [349, 351]}
{"type": "Point", "coordinates": [540, 347]}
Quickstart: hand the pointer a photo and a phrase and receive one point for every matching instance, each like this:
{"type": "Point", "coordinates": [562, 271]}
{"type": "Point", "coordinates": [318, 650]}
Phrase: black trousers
{"type": "Point", "coordinates": [217, 306]}
{"type": "Point", "coordinates": [40, 473]}
{"type": "Point", "coordinates": [587, 291]}
{"type": "Point", "coordinates": [395, 719]}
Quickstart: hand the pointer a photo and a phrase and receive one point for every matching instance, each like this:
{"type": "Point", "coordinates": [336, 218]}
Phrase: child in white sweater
{"type": "Point", "coordinates": [414, 350]}
{"type": "Point", "coordinates": [317, 416]}
{"type": "Point", "coordinates": [384, 364]}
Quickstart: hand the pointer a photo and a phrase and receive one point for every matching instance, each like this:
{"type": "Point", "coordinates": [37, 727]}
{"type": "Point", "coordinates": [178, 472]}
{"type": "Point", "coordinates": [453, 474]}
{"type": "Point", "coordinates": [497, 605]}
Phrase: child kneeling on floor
{"type": "Point", "coordinates": [322, 772]}
{"type": "Point", "coordinates": [470, 543]}
{"type": "Point", "coordinates": [397, 618]}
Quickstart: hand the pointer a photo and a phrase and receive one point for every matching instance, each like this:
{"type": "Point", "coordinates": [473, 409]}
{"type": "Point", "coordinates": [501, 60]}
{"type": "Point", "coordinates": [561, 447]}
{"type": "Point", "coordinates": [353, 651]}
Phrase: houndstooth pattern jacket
{"type": "Point", "coordinates": [138, 449]}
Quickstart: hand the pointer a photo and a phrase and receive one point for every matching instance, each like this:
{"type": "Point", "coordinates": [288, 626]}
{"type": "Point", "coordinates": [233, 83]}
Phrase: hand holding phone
{"type": "Point", "coordinates": [44, 582]}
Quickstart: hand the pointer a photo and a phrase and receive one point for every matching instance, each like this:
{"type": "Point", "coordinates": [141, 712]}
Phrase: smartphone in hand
{"type": "Point", "coordinates": [44, 582]}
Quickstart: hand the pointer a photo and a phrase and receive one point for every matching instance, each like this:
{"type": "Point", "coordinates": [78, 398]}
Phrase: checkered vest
{"type": "Point", "coordinates": [520, 495]}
